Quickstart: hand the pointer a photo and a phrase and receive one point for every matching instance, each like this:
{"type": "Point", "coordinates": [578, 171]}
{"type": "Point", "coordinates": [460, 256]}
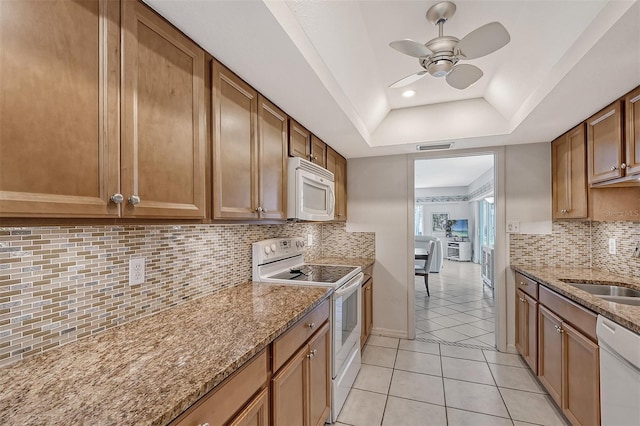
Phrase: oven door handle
{"type": "Point", "coordinates": [352, 287]}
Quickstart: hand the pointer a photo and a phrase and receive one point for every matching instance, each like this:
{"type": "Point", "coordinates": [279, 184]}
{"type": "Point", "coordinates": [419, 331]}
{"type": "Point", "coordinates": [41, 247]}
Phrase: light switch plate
{"type": "Point", "coordinates": [513, 227]}
{"type": "Point", "coordinates": [136, 270]}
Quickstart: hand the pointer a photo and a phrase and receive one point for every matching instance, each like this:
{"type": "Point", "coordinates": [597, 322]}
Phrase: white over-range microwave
{"type": "Point", "coordinates": [311, 194]}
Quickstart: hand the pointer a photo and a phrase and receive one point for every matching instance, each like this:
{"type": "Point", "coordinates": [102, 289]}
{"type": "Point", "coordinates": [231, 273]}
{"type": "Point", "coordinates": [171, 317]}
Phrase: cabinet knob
{"type": "Point", "coordinates": [259, 209]}
{"type": "Point", "coordinates": [314, 158]}
{"type": "Point", "coordinates": [523, 283]}
{"type": "Point", "coordinates": [134, 200]}
{"type": "Point", "coordinates": [311, 325]}
{"type": "Point", "coordinates": [613, 168]}
{"type": "Point", "coordinates": [623, 166]}
{"type": "Point", "coordinates": [521, 300]}
{"type": "Point", "coordinates": [117, 198]}
{"type": "Point", "coordinates": [312, 354]}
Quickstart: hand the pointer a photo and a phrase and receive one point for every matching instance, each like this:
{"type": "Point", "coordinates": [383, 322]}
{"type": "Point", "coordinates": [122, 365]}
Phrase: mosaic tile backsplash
{"type": "Point", "coordinates": [580, 244]}
{"type": "Point", "coordinates": [59, 284]}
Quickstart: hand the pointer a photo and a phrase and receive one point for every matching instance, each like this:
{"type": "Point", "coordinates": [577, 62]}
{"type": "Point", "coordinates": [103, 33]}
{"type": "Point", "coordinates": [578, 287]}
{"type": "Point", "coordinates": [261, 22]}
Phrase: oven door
{"type": "Point", "coordinates": [347, 307]}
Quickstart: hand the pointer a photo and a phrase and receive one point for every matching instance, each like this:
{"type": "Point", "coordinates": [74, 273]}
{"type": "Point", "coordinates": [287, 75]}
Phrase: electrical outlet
{"type": "Point", "coordinates": [636, 251]}
{"type": "Point", "coordinates": [309, 240]}
{"type": "Point", "coordinates": [136, 271]}
{"type": "Point", "coordinates": [612, 246]}
{"type": "Point", "coordinates": [513, 227]}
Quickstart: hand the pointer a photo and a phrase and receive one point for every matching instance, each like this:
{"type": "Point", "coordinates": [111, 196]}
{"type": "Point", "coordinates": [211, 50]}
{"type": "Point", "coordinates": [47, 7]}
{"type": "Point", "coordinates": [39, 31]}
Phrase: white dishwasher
{"type": "Point", "coordinates": [619, 374]}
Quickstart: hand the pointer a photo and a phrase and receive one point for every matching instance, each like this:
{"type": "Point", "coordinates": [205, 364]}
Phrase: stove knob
{"type": "Point", "coordinates": [267, 249]}
{"type": "Point", "coordinates": [273, 248]}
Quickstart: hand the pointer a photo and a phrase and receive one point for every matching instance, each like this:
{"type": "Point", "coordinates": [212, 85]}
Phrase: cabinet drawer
{"type": "Point", "coordinates": [219, 405]}
{"type": "Point", "coordinates": [287, 344]}
{"type": "Point", "coordinates": [579, 317]}
{"type": "Point", "coordinates": [527, 285]}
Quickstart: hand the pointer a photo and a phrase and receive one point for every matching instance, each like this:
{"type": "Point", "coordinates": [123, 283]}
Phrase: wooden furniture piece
{"type": "Point", "coordinates": [318, 154]}
{"type": "Point", "coordinates": [241, 399]}
{"type": "Point", "coordinates": [367, 305]}
{"type": "Point", "coordinates": [569, 362]}
{"type": "Point", "coordinates": [605, 144]}
{"type": "Point", "coordinates": [249, 151]}
{"type": "Point", "coordinates": [527, 320]}
{"type": "Point", "coordinates": [632, 135]}
{"type": "Point", "coordinates": [425, 258]}
{"type": "Point", "coordinates": [299, 140]}
{"type": "Point", "coordinates": [88, 145]}
{"type": "Point", "coordinates": [459, 251]}
{"type": "Point", "coordinates": [301, 381]}
{"type": "Point", "coordinates": [337, 164]}
{"type": "Point", "coordinates": [569, 174]}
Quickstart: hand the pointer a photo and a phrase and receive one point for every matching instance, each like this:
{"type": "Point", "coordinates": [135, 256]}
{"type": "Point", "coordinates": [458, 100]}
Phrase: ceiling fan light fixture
{"type": "Point", "coordinates": [440, 68]}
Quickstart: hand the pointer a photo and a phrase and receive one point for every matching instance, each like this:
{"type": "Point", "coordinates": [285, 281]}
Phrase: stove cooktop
{"type": "Point", "coordinates": [315, 273]}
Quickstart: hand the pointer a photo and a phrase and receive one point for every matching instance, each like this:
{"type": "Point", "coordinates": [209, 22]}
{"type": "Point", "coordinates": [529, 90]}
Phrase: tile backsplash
{"type": "Point", "coordinates": [580, 244]}
{"type": "Point", "coordinates": [59, 284]}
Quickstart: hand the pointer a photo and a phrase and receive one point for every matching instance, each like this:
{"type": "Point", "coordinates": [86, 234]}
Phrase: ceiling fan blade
{"type": "Point", "coordinates": [463, 76]}
{"type": "Point", "coordinates": [411, 48]}
{"type": "Point", "coordinates": [484, 40]}
{"type": "Point", "coordinates": [408, 79]}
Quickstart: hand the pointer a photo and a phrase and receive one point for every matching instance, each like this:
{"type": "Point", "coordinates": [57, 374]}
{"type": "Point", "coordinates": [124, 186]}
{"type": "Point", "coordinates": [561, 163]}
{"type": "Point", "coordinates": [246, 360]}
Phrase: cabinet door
{"type": "Point", "coordinates": [289, 391]}
{"type": "Point", "coordinates": [59, 88]}
{"type": "Point", "coordinates": [531, 332]}
{"type": "Point", "coordinates": [163, 118]}
{"type": "Point", "coordinates": [581, 378]}
{"type": "Point", "coordinates": [235, 189]}
{"type": "Point", "coordinates": [319, 377]}
{"type": "Point", "coordinates": [550, 350]}
{"type": "Point", "coordinates": [256, 413]}
{"type": "Point", "coordinates": [299, 140]}
{"type": "Point", "coordinates": [632, 107]}
{"type": "Point", "coordinates": [272, 160]}
{"type": "Point", "coordinates": [569, 159]}
{"type": "Point", "coordinates": [604, 137]}
{"type": "Point", "coordinates": [521, 322]}
{"type": "Point", "coordinates": [337, 165]}
{"type": "Point", "coordinates": [368, 303]}
{"type": "Point", "coordinates": [318, 151]}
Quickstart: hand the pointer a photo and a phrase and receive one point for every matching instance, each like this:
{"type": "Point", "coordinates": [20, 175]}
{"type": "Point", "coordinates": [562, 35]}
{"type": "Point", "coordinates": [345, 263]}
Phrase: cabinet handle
{"type": "Point", "coordinates": [522, 283]}
{"type": "Point", "coordinates": [134, 200]}
{"type": "Point", "coordinates": [204, 424]}
{"type": "Point", "coordinates": [623, 166]}
{"type": "Point", "coordinates": [117, 198]}
{"type": "Point", "coordinates": [613, 168]}
{"type": "Point", "coordinates": [558, 329]}
{"type": "Point", "coordinates": [312, 354]}
{"type": "Point", "coordinates": [311, 325]}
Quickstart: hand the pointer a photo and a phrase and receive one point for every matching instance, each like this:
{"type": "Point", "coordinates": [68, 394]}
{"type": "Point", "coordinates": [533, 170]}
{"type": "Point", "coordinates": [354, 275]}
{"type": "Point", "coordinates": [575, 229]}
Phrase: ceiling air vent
{"type": "Point", "coordinates": [437, 147]}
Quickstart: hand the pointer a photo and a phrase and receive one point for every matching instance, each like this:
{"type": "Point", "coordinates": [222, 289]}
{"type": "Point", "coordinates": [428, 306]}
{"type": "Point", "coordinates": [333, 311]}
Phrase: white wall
{"type": "Point", "coordinates": [378, 202]}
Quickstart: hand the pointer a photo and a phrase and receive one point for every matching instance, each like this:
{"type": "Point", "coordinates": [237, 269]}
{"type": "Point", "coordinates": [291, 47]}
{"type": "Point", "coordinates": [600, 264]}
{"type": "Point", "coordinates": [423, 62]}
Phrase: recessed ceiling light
{"type": "Point", "coordinates": [408, 93]}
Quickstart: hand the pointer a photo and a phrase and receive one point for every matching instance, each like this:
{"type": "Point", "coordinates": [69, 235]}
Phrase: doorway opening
{"type": "Point", "coordinates": [454, 245]}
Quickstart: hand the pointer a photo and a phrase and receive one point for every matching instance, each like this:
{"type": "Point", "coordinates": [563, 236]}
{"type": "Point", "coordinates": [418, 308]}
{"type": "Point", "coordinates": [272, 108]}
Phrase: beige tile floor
{"type": "Point", "coordinates": [460, 308]}
{"type": "Point", "coordinates": [411, 382]}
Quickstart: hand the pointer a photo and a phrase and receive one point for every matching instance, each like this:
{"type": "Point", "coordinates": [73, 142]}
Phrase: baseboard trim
{"type": "Point", "coordinates": [386, 332]}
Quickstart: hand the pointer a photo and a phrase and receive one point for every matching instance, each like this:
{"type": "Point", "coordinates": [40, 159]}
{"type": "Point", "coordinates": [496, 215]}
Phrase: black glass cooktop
{"type": "Point", "coordinates": [315, 273]}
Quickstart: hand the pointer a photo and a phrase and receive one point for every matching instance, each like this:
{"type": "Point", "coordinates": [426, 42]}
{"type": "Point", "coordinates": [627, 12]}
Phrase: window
{"type": "Point", "coordinates": [487, 222]}
{"type": "Point", "coordinates": [419, 220]}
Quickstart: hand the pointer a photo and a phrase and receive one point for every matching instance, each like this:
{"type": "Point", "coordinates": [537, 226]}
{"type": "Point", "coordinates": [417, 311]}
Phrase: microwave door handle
{"type": "Point", "coordinates": [347, 290]}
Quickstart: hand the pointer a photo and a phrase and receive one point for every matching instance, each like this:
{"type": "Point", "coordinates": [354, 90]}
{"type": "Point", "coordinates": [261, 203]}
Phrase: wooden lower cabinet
{"type": "Point", "coordinates": [569, 366]}
{"type": "Point", "coordinates": [256, 413]}
{"type": "Point", "coordinates": [367, 311]}
{"type": "Point", "coordinates": [301, 389]}
{"type": "Point", "coordinates": [527, 328]}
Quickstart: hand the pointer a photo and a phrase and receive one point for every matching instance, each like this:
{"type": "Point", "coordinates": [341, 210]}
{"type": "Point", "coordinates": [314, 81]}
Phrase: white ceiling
{"type": "Point", "coordinates": [328, 64]}
{"type": "Point", "coordinates": [446, 172]}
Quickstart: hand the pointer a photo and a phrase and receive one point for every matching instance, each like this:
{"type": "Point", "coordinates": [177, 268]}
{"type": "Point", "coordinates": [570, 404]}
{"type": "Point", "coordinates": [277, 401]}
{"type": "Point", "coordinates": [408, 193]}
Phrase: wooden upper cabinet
{"type": "Point", "coordinates": [318, 151]}
{"type": "Point", "coordinates": [59, 128]}
{"type": "Point", "coordinates": [605, 144]}
{"type": "Point", "coordinates": [235, 189]}
{"type": "Point", "coordinates": [272, 160]}
{"type": "Point", "coordinates": [569, 180]}
{"type": "Point", "coordinates": [163, 118]}
{"type": "Point", "coordinates": [337, 165]}
{"type": "Point", "coordinates": [632, 107]}
{"type": "Point", "coordinates": [299, 140]}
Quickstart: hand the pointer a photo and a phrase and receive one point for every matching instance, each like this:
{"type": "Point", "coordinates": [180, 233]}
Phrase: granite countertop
{"type": "Point", "coordinates": [150, 370]}
{"type": "Point", "coordinates": [625, 315]}
{"type": "Point", "coordinates": [363, 262]}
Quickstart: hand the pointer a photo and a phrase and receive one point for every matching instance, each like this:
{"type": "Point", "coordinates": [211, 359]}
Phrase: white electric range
{"type": "Point", "coordinates": [281, 260]}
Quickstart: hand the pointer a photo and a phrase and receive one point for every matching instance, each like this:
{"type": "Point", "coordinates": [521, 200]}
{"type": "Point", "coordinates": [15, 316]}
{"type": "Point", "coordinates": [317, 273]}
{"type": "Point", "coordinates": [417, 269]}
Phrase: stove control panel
{"type": "Point", "coordinates": [276, 249]}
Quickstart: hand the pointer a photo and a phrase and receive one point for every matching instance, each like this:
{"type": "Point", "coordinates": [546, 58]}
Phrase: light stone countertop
{"type": "Point", "coordinates": [150, 370]}
{"type": "Point", "coordinates": [626, 315]}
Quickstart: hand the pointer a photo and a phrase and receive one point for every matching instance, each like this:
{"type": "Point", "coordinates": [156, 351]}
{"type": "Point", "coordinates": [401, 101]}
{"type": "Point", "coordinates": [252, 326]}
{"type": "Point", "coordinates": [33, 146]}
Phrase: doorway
{"type": "Point", "coordinates": [455, 220]}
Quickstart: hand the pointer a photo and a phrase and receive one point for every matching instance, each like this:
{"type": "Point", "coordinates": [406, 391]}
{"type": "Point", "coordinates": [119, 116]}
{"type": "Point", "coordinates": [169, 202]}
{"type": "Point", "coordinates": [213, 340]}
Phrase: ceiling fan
{"type": "Point", "coordinates": [440, 56]}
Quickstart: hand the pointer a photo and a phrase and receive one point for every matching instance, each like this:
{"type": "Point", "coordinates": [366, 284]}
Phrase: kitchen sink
{"type": "Point", "coordinates": [611, 293]}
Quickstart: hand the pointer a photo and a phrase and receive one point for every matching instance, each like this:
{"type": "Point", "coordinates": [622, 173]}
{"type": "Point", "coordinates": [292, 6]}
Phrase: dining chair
{"type": "Point", "coordinates": [423, 270]}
